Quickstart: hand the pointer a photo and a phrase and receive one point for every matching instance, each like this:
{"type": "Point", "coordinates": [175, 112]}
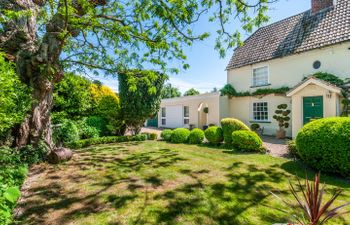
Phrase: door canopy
{"type": "Point", "coordinates": [312, 80]}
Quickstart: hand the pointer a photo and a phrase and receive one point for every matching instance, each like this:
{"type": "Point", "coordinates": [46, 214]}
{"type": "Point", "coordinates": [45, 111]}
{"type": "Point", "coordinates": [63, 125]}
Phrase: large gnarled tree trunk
{"type": "Point", "coordinates": [37, 63]}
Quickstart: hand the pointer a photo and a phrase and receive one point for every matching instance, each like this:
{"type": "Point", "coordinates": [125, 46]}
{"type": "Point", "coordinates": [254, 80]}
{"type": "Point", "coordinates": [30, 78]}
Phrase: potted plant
{"type": "Point", "coordinates": [281, 116]}
{"type": "Point", "coordinates": [255, 127]}
{"type": "Point", "coordinates": [206, 110]}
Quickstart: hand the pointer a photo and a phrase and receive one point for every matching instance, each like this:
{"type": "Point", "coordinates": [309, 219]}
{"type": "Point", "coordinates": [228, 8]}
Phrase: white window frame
{"type": "Point", "coordinates": [268, 76]}
{"type": "Point", "coordinates": [252, 112]}
{"type": "Point", "coordinates": [186, 117]}
{"type": "Point", "coordinates": [163, 117]}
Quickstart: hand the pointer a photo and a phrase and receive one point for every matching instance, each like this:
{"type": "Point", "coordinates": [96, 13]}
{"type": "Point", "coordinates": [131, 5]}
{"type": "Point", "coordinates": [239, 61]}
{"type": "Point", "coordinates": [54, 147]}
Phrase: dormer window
{"type": "Point", "coordinates": [260, 76]}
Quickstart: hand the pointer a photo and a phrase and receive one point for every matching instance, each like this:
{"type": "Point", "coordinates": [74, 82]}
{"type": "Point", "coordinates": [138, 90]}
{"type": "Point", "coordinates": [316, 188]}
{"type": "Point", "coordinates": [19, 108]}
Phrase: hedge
{"type": "Point", "coordinates": [246, 140]}
{"type": "Point", "coordinates": [105, 140]}
{"type": "Point", "coordinates": [325, 145]}
{"type": "Point", "coordinates": [214, 134]}
{"type": "Point", "coordinates": [166, 134]}
{"type": "Point", "coordinates": [229, 125]}
{"type": "Point", "coordinates": [196, 136]}
{"type": "Point", "coordinates": [180, 135]}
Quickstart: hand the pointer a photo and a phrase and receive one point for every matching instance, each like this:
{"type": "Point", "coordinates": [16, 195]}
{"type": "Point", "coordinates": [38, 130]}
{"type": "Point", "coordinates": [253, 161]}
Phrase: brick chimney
{"type": "Point", "coordinates": [318, 5]}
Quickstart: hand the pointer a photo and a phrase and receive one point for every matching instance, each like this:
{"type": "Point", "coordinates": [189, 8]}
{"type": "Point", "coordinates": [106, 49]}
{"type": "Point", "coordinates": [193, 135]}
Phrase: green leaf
{"type": "Point", "coordinates": [12, 194]}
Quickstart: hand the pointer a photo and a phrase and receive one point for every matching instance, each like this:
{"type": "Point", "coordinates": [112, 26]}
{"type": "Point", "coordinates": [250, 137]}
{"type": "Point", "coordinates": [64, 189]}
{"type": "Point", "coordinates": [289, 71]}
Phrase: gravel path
{"type": "Point", "coordinates": [274, 146]}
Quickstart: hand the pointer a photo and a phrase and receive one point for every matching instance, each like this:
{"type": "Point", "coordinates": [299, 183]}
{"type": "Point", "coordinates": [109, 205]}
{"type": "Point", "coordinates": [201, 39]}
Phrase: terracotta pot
{"type": "Point", "coordinates": [280, 134]}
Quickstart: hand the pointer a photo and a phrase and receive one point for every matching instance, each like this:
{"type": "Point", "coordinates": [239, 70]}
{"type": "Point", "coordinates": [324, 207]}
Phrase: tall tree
{"type": "Point", "coordinates": [140, 96]}
{"type": "Point", "coordinates": [169, 91]}
{"type": "Point", "coordinates": [191, 91]}
{"type": "Point", "coordinates": [45, 37]}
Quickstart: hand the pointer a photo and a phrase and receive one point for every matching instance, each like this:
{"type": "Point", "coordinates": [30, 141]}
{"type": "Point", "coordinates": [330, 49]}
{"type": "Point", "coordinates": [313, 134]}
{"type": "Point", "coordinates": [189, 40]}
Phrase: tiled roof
{"type": "Point", "coordinates": [299, 33]}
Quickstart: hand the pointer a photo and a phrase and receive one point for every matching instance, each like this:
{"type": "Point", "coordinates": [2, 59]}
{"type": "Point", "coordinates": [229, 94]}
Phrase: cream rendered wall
{"type": "Point", "coordinates": [330, 105]}
{"type": "Point", "coordinates": [290, 70]}
{"type": "Point", "coordinates": [241, 108]}
{"type": "Point", "coordinates": [212, 100]}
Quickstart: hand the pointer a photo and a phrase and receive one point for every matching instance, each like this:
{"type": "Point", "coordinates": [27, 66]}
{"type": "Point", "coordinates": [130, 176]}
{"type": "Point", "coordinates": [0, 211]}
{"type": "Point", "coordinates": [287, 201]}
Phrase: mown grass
{"type": "Point", "coordinates": [160, 183]}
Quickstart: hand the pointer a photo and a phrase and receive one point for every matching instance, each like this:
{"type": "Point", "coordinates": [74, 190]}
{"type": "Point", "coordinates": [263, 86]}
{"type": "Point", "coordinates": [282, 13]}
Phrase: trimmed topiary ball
{"type": "Point", "coordinates": [180, 135]}
{"type": "Point", "coordinates": [214, 135]}
{"type": "Point", "coordinates": [196, 136]}
{"type": "Point", "coordinates": [166, 134]}
{"type": "Point", "coordinates": [325, 145]}
{"type": "Point", "coordinates": [246, 140]}
{"type": "Point", "coordinates": [229, 125]}
{"type": "Point", "coordinates": [153, 136]}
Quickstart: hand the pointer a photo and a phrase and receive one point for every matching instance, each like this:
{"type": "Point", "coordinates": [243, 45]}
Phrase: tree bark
{"type": "Point", "coordinates": [36, 125]}
{"type": "Point", "coordinates": [37, 61]}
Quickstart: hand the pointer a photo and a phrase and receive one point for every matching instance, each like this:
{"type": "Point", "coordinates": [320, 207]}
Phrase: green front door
{"type": "Point", "coordinates": [313, 108]}
{"type": "Point", "coordinates": [152, 122]}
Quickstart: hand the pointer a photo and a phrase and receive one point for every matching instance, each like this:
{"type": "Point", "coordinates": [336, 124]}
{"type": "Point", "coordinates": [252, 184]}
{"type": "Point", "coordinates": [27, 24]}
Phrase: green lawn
{"type": "Point", "coordinates": [160, 183]}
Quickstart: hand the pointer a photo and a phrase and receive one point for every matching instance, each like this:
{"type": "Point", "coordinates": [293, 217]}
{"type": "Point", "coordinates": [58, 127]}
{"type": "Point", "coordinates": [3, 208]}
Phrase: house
{"type": "Point", "coordinates": [279, 55]}
{"type": "Point", "coordinates": [193, 111]}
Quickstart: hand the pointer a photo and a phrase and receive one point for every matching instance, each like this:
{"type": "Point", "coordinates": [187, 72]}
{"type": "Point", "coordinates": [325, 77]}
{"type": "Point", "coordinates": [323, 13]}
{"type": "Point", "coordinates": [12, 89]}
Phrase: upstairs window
{"type": "Point", "coordinates": [186, 115]}
{"type": "Point", "coordinates": [260, 76]}
{"type": "Point", "coordinates": [260, 111]}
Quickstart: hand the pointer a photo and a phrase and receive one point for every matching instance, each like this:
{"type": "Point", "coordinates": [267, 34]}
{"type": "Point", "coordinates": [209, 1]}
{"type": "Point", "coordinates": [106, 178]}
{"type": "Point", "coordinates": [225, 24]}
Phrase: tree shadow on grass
{"type": "Point", "coordinates": [51, 194]}
{"type": "Point", "coordinates": [222, 203]}
{"type": "Point", "coordinates": [300, 169]}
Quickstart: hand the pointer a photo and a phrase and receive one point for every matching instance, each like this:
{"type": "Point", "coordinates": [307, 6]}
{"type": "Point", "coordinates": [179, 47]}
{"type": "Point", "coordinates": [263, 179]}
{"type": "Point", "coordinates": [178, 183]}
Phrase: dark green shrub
{"type": "Point", "coordinates": [196, 136]}
{"type": "Point", "coordinates": [325, 145]}
{"type": "Point", "coordinates": [153, 136]}
{"type": "Point", "coordinates": [147, 134]}
{"type": "Point", "coordinates": [86, 131]}
{"type": "Point", "coordinates": [166, 134]}
{"type": "Point", "coordinates": [255, 126]}
{"type": "Point", "coordinates": [180, 135]}
{"type": "Point", "coordinates": [100, 123]}
{"type": "Point", "coordinates": [214, 135]}
{"type": "Point", "coordinates": [65, 132]}
{"type": "Point", "coordinates": [292, 149]}
{"type": "Point", "coordinates": [246, 140]}
{"type": "Point", "coordinates": [104, 140]}
{"type": "Point", "coordinates": [30, 155]}
{"type": "Point", "coordinates": [229, 125]}
{"type": "Point", "coordinates": [140, 137]}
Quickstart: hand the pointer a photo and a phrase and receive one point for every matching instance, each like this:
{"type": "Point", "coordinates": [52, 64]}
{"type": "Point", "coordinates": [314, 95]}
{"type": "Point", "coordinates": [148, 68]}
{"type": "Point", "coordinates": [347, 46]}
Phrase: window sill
{"type": "Point", "coordinates": [265, 85]}
{"type": "Point", "coordinates": [254, 121]}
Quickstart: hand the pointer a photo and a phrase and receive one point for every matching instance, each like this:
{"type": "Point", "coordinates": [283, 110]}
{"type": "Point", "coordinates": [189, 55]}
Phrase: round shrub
{"type": "Point", "coordinates": [180, 135]}
{"type": "Point", "coordinates": [246, 140]}
{"type": "Point", "coordinates": [66, 132]}
{"type": "Point", "coordinates": [196, 136]}
{"type": "Point", "coordinates": [166, 134]}
{"type": "Point", "coordinates": [214, 135]}
{"type": "Point", "coordinates": [87, 131]}
{"type": "Point", "coordinates": [325, 145]}
{"type": "Point", "coordinates": [153, 136]}
{"type": "Point", "coordinates": [230, 125]}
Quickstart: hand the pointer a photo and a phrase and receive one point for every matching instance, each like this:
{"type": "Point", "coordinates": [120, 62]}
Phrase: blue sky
{"type": "Point", "coordinates": [207, 69]}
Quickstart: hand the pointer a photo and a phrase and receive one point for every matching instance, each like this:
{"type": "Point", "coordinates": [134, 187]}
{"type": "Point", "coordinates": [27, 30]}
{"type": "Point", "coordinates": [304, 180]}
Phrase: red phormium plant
{"type": "Point", "coordinates": [310, 202]}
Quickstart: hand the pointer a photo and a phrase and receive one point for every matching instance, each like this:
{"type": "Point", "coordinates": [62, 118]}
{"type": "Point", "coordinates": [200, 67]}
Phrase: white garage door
{"type": "Point", "coordinates": [174, 116]}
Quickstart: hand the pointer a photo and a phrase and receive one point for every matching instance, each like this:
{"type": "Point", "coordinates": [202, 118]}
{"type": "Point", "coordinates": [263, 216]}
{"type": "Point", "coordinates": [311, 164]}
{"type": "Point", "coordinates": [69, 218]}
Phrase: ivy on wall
{"type": "Point", "coordinates": [230, 91]}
